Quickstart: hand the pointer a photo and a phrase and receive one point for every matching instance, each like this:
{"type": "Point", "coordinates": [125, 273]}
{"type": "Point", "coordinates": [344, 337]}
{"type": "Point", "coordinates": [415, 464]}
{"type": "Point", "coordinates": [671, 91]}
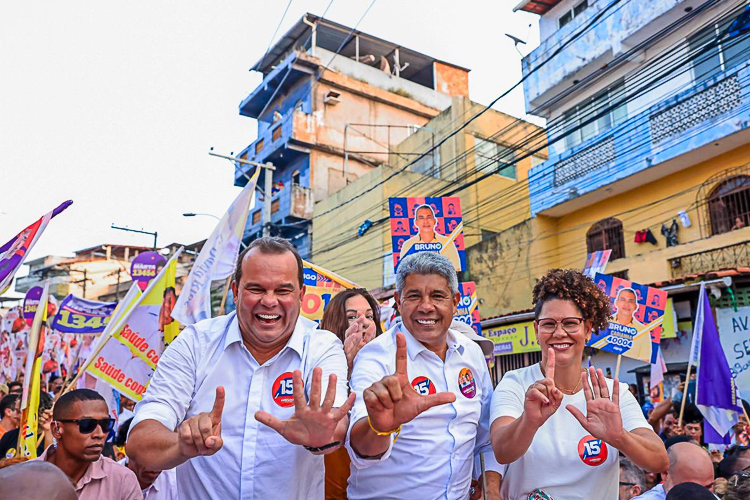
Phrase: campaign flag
{"type": "Point", "coordinates": [15, 251]}
{"type": "Point", "coordinates": [216, 260]}
{"type": "Point", "coordinates": [635, 326]}
{"type": "Point", "coordinates": [320, 287]}
{"type": "Point", "coordinates": [717, 397]}
{"type": "Point", "coordinates": [468, 307]}
{"type": "Point", "coordinates": [77, 315]}
{"type": "Point", "coordinates": [145, 267]}
{"type": "Point", "coordinates": [30, 303]}
{"type": "Point", "coordinates": [142, 330]}
{"type": "Point", "coordinates": [427, 224]}
{"type": "Point", "coordinates": [28, 434]}
{"type": "Point", "coordinates": [596, 262]}
{"type": "Point", "coordinates": [656, 384]}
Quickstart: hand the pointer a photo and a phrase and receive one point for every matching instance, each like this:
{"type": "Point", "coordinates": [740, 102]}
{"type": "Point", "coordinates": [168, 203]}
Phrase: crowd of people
{"type": "Point", "coordinates": [264, 403]}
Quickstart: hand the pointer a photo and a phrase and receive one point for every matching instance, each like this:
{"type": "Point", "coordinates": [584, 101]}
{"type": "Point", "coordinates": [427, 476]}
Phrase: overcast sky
{"type": "Point", "coordinates": [115, 104]}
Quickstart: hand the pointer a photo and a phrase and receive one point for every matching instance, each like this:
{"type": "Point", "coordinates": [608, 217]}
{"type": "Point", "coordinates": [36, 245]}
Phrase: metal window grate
{"type": "Point", "coordinates": [606, 235]}
{"type": "Point", "coordinates": [716, 100]}
{"type": "Point", "coordinates": [729, 205]}
{"type": "Point", "coordinates": [508, 362]}
{"type": "Point", "coordinates": [585, 161]}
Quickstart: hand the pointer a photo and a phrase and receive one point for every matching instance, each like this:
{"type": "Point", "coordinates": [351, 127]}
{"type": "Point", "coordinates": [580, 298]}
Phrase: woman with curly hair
{"type": "Point", "coordinates": [571, 452]}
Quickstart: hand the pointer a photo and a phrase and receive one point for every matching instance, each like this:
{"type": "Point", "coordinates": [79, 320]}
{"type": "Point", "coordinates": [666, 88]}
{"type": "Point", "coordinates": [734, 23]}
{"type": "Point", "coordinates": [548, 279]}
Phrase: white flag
{"type": "Point", "coordinates": [658, 370]}
{"type": "Point", "coordinates": [216, 260]}
{"type": "Point", "coordinates": [695, 344]}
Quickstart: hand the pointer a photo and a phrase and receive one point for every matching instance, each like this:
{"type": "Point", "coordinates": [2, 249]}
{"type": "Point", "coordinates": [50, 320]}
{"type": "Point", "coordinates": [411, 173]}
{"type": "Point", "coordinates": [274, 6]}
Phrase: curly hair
{"type": "Point", "coordinates": [569, 284]}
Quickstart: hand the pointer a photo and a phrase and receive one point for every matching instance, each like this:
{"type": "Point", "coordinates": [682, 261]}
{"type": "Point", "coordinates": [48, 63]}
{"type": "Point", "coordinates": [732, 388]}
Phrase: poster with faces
{"type": "Point", "coordinates": [635, 323]}
{"type": "Point", "coordinates": [427, 224]}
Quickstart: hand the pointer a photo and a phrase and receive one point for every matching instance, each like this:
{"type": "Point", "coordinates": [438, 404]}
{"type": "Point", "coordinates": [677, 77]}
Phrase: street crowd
{"type": "Point", "coordinates": [263, 403]}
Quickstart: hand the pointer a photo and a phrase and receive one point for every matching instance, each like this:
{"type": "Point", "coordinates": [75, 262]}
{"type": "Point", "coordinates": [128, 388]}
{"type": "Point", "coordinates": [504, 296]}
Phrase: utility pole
{"type": "Point", "coordinates": [267, 189]}
{"type": "Point", "coordinates": [154, 234]}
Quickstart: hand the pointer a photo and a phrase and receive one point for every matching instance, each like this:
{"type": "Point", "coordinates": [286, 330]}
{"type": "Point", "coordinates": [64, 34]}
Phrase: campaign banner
{"type": "Point", "coordinates": [320, 286]}
{"type": "Point", "coordinates": [636, 324]}
{"type": "Point", "coordinates": [77, 315]}
{"type": "Point", "coordinates": [116, 365]}
{"type": "Point", "coordinates": [468, 307]}
{"type": "Point", "coordinates": [143, 332]}
{"type": "Point", "coordinates": [734, 334]}
{"type": "Point", "coordinates": [428, 224]}
{"type": "Point", "coordinates": [145, 267]}
{"type": "Point", "coordinates": [596, 262]}
{"type": "Point", "coordinates": [513, 338]}
{"type": "Point", "coordinates": [31, 303]}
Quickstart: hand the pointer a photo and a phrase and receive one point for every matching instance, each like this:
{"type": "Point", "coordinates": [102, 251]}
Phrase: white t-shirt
{"type": "Point", "coordinates": [564, 461]}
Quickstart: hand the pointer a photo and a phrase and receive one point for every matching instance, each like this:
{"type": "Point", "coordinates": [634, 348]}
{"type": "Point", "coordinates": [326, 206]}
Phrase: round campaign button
{"type": "Point", "coordinates": [466, 383]}
{"type": "Point", "coordinates": [423, 386]}
{"type": "Point", "coordinates": [592, 451]}
{"type": "Point", "coordinates": [283, 390]}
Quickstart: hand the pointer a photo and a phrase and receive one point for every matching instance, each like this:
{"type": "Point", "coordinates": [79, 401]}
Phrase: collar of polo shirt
{"type": "Point", "coordinates": [454, 340]}
{"type": "Point", "coordinates": [296, 341]}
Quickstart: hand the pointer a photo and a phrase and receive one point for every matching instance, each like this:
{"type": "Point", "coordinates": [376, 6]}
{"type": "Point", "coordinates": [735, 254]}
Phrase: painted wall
{"type": "Point", "coordinates": [515, 258]}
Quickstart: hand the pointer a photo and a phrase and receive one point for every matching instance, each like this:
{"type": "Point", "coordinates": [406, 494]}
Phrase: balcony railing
{"type": "Point", "coordinates": [716, 259]}
{"type": "Point", "coordinates": [694, 118]}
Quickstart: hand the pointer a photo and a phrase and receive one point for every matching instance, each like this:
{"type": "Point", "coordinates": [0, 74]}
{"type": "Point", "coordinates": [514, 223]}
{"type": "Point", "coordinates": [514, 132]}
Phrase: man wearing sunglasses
{"type": "Point", "coordinates": [80, 426]}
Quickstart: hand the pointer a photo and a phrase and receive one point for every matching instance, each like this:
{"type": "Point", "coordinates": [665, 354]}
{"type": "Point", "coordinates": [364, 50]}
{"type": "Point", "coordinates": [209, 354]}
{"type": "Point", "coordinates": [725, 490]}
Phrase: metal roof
{"type": "Point", "coordinates": [330, 35]}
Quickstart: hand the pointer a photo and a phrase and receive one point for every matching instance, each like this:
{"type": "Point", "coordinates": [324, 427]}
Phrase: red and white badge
{"type": "Point", "coordinates": [466, 383]}
{"type": "Point", "coordinates": [283, 390]}
{"type": "Point", "coordinates": [423, 386]}
{"type": "Point", "coordinates": [592, 451]}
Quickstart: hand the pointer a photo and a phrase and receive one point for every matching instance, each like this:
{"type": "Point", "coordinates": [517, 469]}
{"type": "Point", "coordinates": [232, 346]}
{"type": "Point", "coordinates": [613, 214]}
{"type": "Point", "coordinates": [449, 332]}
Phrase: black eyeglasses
{"type": "Point", "coordinates": [87, 425]}
{"type": "Point", "coordinates": [549, 325]}
{"type": "Point", "coordinates": [622, 483]}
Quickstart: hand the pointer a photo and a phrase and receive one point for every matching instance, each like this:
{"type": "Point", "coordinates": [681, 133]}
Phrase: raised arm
{"type": "Point", "coordinates": [603, 420]}
{"type": "Point", "coordinates": [511, 437]}
{"type": "Point", "coordinates": [158, 448]}
{"type": "Point", "coordinates": [391, 402]}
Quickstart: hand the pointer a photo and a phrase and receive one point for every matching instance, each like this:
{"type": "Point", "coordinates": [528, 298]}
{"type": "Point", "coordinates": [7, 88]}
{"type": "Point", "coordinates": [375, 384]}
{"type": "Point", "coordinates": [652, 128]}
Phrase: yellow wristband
{"type": "Point", "coordinates": [395, 431]}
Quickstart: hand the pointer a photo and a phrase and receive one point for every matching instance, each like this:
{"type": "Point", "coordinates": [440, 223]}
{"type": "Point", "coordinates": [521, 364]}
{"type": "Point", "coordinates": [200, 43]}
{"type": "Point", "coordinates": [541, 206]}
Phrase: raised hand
{"type": "Point", "coordinates": [313, 425]}
{"type": "Point", "coordinates": [355, 338]}
{"type": "Point", "coordinates": [542, 397]}
{"type": "Point", "coordinates": [201, 434]}
{"type": "Point", "coordinates": [603, 419]}
{"type": "Point", "coordinates": [392, 401]}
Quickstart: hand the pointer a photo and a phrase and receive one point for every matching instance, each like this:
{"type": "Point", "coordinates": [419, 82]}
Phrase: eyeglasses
{"type": "Point", "coordinates": [626, 484]}
{"type": "Point", "coordinates": [549, 325]}
{"type": "Point", "coordinates": [87, 425]}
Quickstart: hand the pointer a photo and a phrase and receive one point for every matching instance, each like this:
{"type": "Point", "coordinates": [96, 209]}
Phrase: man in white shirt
{"type": "Point", "coordinates": [424, 391]}
{"type": "Point", "coordinates": [222, 378]}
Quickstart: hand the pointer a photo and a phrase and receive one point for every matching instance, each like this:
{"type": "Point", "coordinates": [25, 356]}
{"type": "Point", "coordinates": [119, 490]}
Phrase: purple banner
{"type": "Point", "coordinates": [145, 267]}
{"type": "Point", "coordinates": [77, 315]}
{"type": "Point", "coordinates": [31, 303]}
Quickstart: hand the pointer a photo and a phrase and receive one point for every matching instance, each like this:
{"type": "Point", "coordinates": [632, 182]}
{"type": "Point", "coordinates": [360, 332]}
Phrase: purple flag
{"type": "Point", "coordinates": [717, 396]}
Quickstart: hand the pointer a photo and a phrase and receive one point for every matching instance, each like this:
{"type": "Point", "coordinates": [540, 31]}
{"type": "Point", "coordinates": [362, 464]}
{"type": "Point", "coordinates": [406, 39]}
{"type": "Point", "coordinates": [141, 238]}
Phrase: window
{"type": "Point", "coordinates": [729, 205]}
{"type": "Point", "coordinates": [621, 274]}
{"type": "Point", "coordinates": [429, 164]}
{"type": "Point", "coordinates": [275, 205]}
{"type": "Point", "coordinates": [296, 177]}
{"type": "Point", "coordinates": [606, 235]}
{"type": "Point", "coordinates": [256, 217]}
{"type": "Point", "coordinates": [572, 13]}
{"type": "Point", "coordinates": [493, 157]}
{"type": "Point", "coordinates": [593, 107]}
{"type": "Point", "coordinates": [711, 56]}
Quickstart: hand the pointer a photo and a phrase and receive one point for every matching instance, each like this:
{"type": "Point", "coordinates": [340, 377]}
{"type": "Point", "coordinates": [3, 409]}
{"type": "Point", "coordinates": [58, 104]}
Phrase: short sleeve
{"type": "Point", "coordinates": [331, 361]}
{"type": "Point", "coordinates": [507, 400]}
{"type": "Point", "coordinates": [170, 392]}
{"type": "Point", "coordinates": [632, 415]}
{"type": "Point", "coordinates": [369, 367]}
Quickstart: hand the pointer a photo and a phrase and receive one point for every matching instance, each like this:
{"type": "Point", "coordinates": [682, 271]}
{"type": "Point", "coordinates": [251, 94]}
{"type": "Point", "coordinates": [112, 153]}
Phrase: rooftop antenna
{"type": "Point", "coordinates": [517, 40]}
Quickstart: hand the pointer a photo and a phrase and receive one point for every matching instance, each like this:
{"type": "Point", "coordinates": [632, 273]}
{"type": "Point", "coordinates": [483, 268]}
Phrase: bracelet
{"type": "Point", "coordinates": [322, 448]}
{"type": "Point", "coordinates": [395, 431]}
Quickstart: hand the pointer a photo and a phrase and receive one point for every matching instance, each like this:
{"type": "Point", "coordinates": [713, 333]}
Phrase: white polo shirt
{"type": "Point", "coordinates": [434, 455]}
{"type": "Point", "coordinates": [255, 461]}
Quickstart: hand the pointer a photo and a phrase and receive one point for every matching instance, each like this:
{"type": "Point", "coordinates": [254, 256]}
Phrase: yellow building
{"type": "Point", "coordinates": [486, 169]}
